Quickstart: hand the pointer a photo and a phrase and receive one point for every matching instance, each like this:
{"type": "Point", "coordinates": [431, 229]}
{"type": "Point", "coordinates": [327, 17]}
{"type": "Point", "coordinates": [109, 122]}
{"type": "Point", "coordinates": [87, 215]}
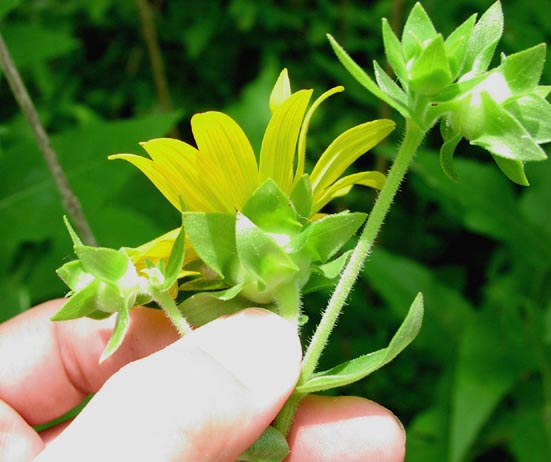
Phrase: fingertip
{"type": "Point", "coordinates": [347, 429]}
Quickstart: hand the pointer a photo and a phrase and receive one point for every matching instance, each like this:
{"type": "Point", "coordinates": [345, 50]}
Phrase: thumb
{"type": "Point", "coordinates": [206, 397]}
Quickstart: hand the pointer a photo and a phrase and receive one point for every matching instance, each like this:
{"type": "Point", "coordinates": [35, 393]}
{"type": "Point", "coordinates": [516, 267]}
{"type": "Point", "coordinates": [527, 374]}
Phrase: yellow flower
{"type": "Point", "coordinates": [222, 172]}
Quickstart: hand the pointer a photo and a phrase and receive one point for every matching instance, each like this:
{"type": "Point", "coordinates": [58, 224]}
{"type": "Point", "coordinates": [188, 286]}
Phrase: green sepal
{"type": "Point", "coordinates": [80, 304]}
{"type": "Point", "coordinates": [72, 273]}
{"type": "Point", "coordinates": [200, 284]}
{"type": "Point", "coordinates": [74, 236]}
{"type": "Point", "coordinates": [271, 210]}
{"type": "Point", "coordinates": [456, 45]}
{"type": "Point", "coordinates": [119, 332]}
{"type": "Point", "coordinates": [175, 260]}
{"type": "Point", "coordinates": [418, 29]}
{"type": "Point", "coordinates": [323, 276]}
{"type": "Point", "coordinates": [326, 236]}
{"type": "Point", "coordinates": [363, 78]}
{"type": "Point", "coordinates": [504, 136]}
{"type": "Point", "coordinates": [447, 150]}
{"type": "Point", "coordinates": [389, 86]}
{"type": "Point", "coordinates": [271, 446]}
{"type": "Point", "coordinates": [430, 71]}
{"type": "Point", "coordinates": [523, 70]}
{"type": "Point", "coordinates": [302, 198]}
{"type": "Point", "coordinates": [513, 169]}
{"type": "Point", "coordinates": [213, 238]}
{"type": "Point", "coordinates": [534, 114]}
{"type": "Point", "coordinates": [261, 255]}
{"type": "Point", "coordinates": [204, 307]}
{"type": "Point", "coordinates": [104, 263]}
{"type": "Point", "coordinates": [358, 368]}
{"type": "Point", "coordinates": [393, 51]}
{"type": "Point", "coordinates": [486, 34]}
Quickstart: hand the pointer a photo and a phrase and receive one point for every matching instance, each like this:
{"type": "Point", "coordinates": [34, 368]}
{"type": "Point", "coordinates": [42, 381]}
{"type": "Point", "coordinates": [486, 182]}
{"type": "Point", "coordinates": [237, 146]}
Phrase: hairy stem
{"type": "Point", "coordinates": [412, 140]}
{"type": "Point", "coordinates": [165, 301]}
{"type": "Point", "coordinates": [69, 200]}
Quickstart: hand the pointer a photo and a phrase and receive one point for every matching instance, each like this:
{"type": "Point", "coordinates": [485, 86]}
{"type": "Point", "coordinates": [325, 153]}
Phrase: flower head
{"type": "Point", "coordinates": [222, 172]}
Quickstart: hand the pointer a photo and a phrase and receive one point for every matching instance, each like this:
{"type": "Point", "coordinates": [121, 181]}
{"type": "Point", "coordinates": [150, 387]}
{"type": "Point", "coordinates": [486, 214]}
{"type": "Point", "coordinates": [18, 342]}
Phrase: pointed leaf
{"type": "Point", "coordinates": [326, 236]}
{"type": "Point", "coordinates": [389, 86]}
{"type": "Point", "coordinates": [176, 259]}
{"type": "Point", "coordinates": [213, 238]}
{"type": "Point", "coordinates": [417, 30]}
{"type": "Point", "coordinates": [486, 34]}
{"type": "Point", "coordinates": [271, 446]}
{"type": "Point", "coordinates": [447, 151]}
{"type": "Point", "coordinates": [301, 196]}
{"type": "Point", "coordinates": [205, 307]}
{"type": "Point", "coordinates": [456, 45]}
{"type": "Point", "coordinates": [363, 79]}
{"type": "Point", "coordinates": [513, 169]}
{"type": "Point", "coordinates": [523, 70]}
{"type": "Point", "coordinates": [430, 72]}
{"type": "Point", "coordinates": [74, 236]}
{"type": "Point", "coordinates": [260, 254]}
{"type": "Point", "coordinates": [119, 332]}
{"type": "Point", "coordinates": [106, 264]}
{"type": "Point", "coordinates": [393, 52]}
{"type": "Point", "coordinates": [504, 136]}
{"type": "Point", "coordinates": [79, 304]}
{"type": "Point", "coordinates": [534, 114]}
{"type": "Point", "coordinates": [356, 369]}
{"type": "Point", "coordinates": [271, 210]}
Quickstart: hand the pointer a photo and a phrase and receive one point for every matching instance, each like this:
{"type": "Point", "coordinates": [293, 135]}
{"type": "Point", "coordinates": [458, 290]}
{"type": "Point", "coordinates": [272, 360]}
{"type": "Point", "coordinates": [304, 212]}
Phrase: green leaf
{"type": "Point", "coordinates": [513, 169]}
{"type": "Point", "coordinates": [362, 78]}
{"type": "Point", "coordinates": [389, 86]}
{"type": "Point", "coordinates": [326, 236]}
{"type": "Point", "coordinates": [106, 264]}
{"type": "Point", "coordinates": [205, 307]}
{"type": "Point", "coordinates": [393, 52]}
{"type": "Point", "coordinates": [523, 70]}
{"type": "Point", "coordinates": [260, 254]}
{"type": "Point", "coordinates": [447, 151]}
{"type": "Point", "coordinates": [484, 39]}
{"type": "Point", "coordinates": [534, 114]}
{"type": "Point", "coordinates": [271, 210]}
{"type": "Point", "coordinates": [301, 196]}
{"type": "Point", "coordinates": [79, 304]}
{"type": "Point", "coordinates": [504, 136]}
{"type": "Point", "coordinates": [213, 238]}
{"type": "Point", "coordinates": [358, 368]}
{"type": "Point", "coordinates": [119, 332]}
{"type": "Point", "coordinates": [271, 446]}
{"type": "Point", "coordinates": [418, 29]}
{"type": "Point", "coordinates": [176, 259]}
{"type": "Point", "coordinates": [456, 45]}
{"type": "Point", "coordinates": [430, 72]}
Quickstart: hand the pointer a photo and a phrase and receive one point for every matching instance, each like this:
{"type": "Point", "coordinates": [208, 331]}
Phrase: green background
{"type": "Point", "coordinates": [476, 384]}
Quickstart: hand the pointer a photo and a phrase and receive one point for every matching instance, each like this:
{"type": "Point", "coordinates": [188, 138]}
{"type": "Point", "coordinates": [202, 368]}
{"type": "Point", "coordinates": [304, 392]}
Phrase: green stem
{"type": "Point", "coordinates": [413, 137]}
{"type": "Point", "coordinates": [165, 301]}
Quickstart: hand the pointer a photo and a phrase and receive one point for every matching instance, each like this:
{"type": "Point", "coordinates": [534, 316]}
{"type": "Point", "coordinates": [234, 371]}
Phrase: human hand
{"type": "Point", "coordinates": [207, 396]}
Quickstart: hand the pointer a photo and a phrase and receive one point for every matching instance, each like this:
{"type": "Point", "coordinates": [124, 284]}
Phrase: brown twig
{"type": "Point", "coordinates": [156, 58]}
{"type": "Point", "coordinates": [69, 200]}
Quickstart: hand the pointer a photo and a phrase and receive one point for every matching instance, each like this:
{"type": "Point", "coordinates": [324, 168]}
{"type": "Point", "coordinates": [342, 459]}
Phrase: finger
{"type": "Point", "coordinates": [49, 367]}
{"type": "Point", "coordinates": [346, 429]}
{"type": "Point", "coordinates": [207, 397]}
{"type": "Point", "coordinates": [18, 440]}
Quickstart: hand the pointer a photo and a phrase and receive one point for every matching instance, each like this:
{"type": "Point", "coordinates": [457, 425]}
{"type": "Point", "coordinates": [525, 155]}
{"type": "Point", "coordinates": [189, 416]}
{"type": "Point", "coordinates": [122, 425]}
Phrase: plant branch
{"type": "Point", "coordinates": [69, 200]}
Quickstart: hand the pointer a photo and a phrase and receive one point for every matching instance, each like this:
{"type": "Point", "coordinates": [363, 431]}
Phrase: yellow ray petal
{"type": "Point", "coordinates": [280, 140]}
{"type": "Point", "coordinates": [301, 149]}
{"type": "Point", "coordinates": [344, 185]}
{"type": "Point", "coordinates": [226, 161]}
{"type": "Point", "coordinates": [165, 182]}
{"type": "Point", "coordinates": [180, 159]}
{"type": "Point", "coordinates": [345, 149]}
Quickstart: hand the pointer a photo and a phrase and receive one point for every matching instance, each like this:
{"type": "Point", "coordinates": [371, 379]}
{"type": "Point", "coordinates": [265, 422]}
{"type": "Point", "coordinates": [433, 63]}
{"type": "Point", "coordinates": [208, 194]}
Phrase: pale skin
{"type": "Point", "coordinates": [205, 397]}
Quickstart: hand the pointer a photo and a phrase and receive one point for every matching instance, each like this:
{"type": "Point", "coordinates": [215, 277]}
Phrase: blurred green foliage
{"type": "Point", "coordinates": [476, 384]}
